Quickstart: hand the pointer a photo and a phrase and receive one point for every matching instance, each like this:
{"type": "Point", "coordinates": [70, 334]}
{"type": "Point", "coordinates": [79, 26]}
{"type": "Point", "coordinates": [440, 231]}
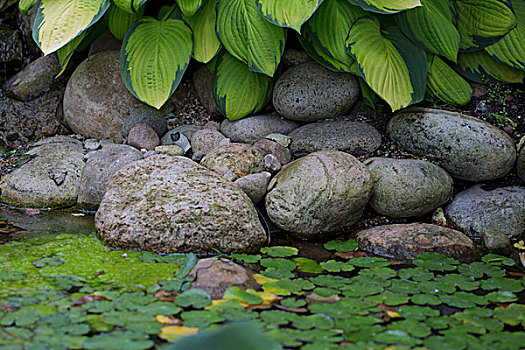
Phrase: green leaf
{"type": "Point", "coordinates": [200, 318]}
{"type": "Point", "coordinates": [160, 308]}
{"type": "Point", "coordinates": [197, 298]}
{"type": "Point", "coordinates": [411, 327]}
{"type": "Point", "coordinates": [50, 261]}
{"type": "Point", "coordinates": [154, 57]}
{"type": "Point", "coordinates": [65, 53]}
{"type": "Point", "coordinates": [513, 315]}
{"type": "Point", "coordinates": [189, 262]}
{"type": "Point", "coordinates": [425, 299]}
{"type": "Point", "coordinates": [247, 258]}
{"type": "Point", "coordinates": [119, 21]}
{"type": "Point", "coordinates": [386, 6]}
{"type": "Point", "coordinates": [368, 94]}
{"type": "Point", "coordinates": [189, 7]}
{"type": "Point", "coordinates": [391, 65]}
{"type": "Point", "coordinates": [279, 252]}
{"type": "Point", "coordinates": [463, 300]}
{"type": "Point", "coordinates": [502, 284]}
{"type": "Point", "coordinates": [308, 265]}
{"type": "Point", "coordinates": [418, 274]}
{"type": "Point", "coordinates": [59, 21]}
{"type": "Point", "coordinates": [510, 49]}
{"type": "Point", "coordinates": [130, 6]}
{"type": "Point", "coordinates": [118, 341]}
{"type": "Point", "coordinates": [342, 246]}
{"type": "Point", "coordinates": [238, 91]}
{"type": "Point", "coordinates": [501, 297]}
{"type": "Point", "coordinates": [498, 260]}
{"type": "Point", "coordinates": [431, 25]}
{"type": "Point", "coordinates": [445, 84]}
{"type": "Point", "coordinates": [278, 263]}
{"type": "Point", "coordinates": [236, 293]}
{"type": "Point", "coordinates": [369, 261]}
{"type": "Point", "coordinates": [479, 269]}
{"type": "Point", "coordinates": [482, 23]}
{"type": "Point", "coordinates": [435, 261]}
{"type": "Point", "coordinates": [336, 266]}
{"type": "Point", "coordinates": [388, 298]}
{"type": "Point", "coordinates": [249, 37]}
{"type": "Point", "coordinates": [25, 5]}
{"type": "Point", "coordinates": [21, 318]}
{"type": "Point", "coordinates": [206, 42]}
{"type": "Point", "coordinates": [288, 13]}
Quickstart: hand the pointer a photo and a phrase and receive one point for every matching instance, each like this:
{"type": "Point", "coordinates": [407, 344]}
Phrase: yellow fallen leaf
{"type": "Point", "coordinates": [167, 319]}
{"type": "Point", "coordinates": [78, 214]}
{"type": "Point", "coordinates": [172, 333]}
{"type": "Point", "coordinates": [392, 314]}
{"type": "Point", "coordinates": [263, 279]}
{"type": "Point", "coordinates": [520, 245]}
{"type": "Point", "coordinates": [215, 303]}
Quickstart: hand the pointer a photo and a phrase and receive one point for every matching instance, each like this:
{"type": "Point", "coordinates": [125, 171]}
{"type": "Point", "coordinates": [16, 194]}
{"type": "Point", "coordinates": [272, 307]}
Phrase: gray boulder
{"type": "Point", "coordinates": [490, 218]}
{"type": "Point", "coordinates": [468, 148]}
{"type": "Point", "coordinates": [172, 137]}
{"type": "Point", "coordinates": [266, 146]}
{"type": "Point", "coordinates": [169, 204]}
{"type": "Point", "coordinates": [51, 179]}
{"type": "Point", "coordinates": [407, 187]}
{"type": "Point", "coordinates": [10, 43]}
{"type": "Point", "coordinates": [252, 129]}
{"type": "Point", "coordinates": [254, 185]}
{"type": "Point", "coordinates": [203, 141]}
{"type": "Point", "coordinates": [146, 115]}
{"type": "Point", "coordinates": [292, 57]}
{"type": "Point", "coordinates": [355, 138]}
{"type": "Point", "coordinates": [319, 195]}
{"type": "Point", "coordinates": [309, 92]}
{"type": "Point", "coordinates": [407, 241]}
{"type": "Point", "coordinates": [235, 158]}
{"type": "Point", "coordinates": [99, 169]}
{"type": "Point", "coordinates": [142, 136]}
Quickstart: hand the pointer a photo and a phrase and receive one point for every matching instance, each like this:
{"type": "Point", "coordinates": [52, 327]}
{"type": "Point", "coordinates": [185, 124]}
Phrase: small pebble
{"type": "Point", "coordinates": [271, 163]}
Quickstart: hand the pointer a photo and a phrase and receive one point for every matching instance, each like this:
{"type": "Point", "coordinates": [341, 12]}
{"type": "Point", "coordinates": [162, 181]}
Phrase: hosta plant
{"type": "Point", "coordinates": [402, 50]}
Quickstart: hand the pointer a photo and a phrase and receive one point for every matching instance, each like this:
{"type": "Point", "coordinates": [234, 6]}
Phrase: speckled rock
{"type": "Point", "coordinates": [105, 42]}
{"type": "Point", "coordinates": [171, 137]}
{"type": "Point", "coordinates": [252, 129]}
{"type": "Point", "coordinates": [271, 163]}
{"type": "Point", "coordinates": [169, 204]}
{"type": "Point", "coordinates": [142, 136]}
{"type": "Point", "coordinates": [292, 57]}
{"type": "Point", "coordinates": [10, 44]}
{"type": "Point", "coordinates": [203, 141]}
{"type": "Point", "coordinates": [236, 158]}
{"type": "Point", "coordinates": [407, 187]}
{"type": "Point", "coordinates": [203, 80]}
{"type": "Point", "coordinates": [355, 138]}
{"type": "Point", "coordinates": [271, 147]}
{"type": "Point", "coordinates": [483, 215]}
{"type": "Point", "coordinates": [405, 242]}
{"type": "Point", "coordinates": [468, 148]}
{"type": "Point", "coordinates": [215, 275]}
{"type": "Point", "coordinates": [146, 115]}
{"type": "Point", "coordinates": [319, 195]}
{"type": "Point", "coordinates": [99, 169]}
{"type": "Point", "coordinates": [309, 92]}
{"type": "Point", "coordinates": [170, 150]}
{"type": "Point", "coordinates": [254, 185]}
{"type": "Point", "coordinates": [51, 179]}
{"type": "Point", "coordinates": [36, 78]}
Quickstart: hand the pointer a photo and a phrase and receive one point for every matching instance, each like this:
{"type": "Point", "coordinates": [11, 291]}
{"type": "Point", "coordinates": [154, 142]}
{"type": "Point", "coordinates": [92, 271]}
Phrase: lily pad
{"type": "Point", "coordinates": [49, 261]}
{"type": "Point", "coordinates": [293, 303]}
{"type": "Point", "coordinates": [369, 261]}
{"type": "Point", "coordinates": [502, 284]}
{"type": "Point", "coordinates": [247, 258]}
{"type": "Point", "coordinates": [308, 265]}
{"type": "Point", "coordinates": [412, 327]}
{"type": "Point", "coordinates": [387, 298]}
{"type": "Point", "coordinates": [463, 300]}
{"type": "Point", "coordinates": [497, 260]}
{"type": "Point", "coordinates": [342, 246]}
{"type": "Point", "coordinates": [236, 293]}
{"type": "Point", "coordinates": [425, 299]}
{"type": "Point", "coordinates": [434, 261]}
{"type": "Point", "coordinates": [279, 251]}
{"type": "Point", "coordinates": [118, 341]}
{"type": "Point", "coordinates": [200, 318]}
{"type": "Point", "coordinates": [336, 266]}
{"type": "Point", "coordinates": [197, 298]}
{"type": "Point", "coordinates": [512, 315]}
{"type": "Point", "coordinates": [479, 269]}
{"type": "Point", "coordinates": [278, 264]}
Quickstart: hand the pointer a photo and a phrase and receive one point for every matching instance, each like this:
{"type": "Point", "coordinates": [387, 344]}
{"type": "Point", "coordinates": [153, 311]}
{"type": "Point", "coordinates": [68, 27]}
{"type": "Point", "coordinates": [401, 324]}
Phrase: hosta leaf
{"type": "Point", "coordinates": [189, 7]}
{"type": "Point", "coordinates": [369, 96]}
{"type": "Point", "coordinates": [25, 5]}
{"type": "Point", "coordinates": [446, 85]}
{"type": "Point", "coordinates": [329, 27]}
{"type": "Point", "coordinates": [288, 13]}
{"type": "Point", "coordinates": [129, 6]}
{"type": "Point", "coordinates": [59, 21]}
{"type": "Point", "coordinates": [386, 6]}
{"type": "Point", "coordinates": [237, 91]}
{"type": "Point", "coordinates": [119, 21]}
{"type": "Point", "coordinates": [482, 23]}
{"type": "Point", "coordinates": [391, 64]}
{"type": "Point", "coordinates": [206, 43]}
{"type": "Point", "coordinates": [249, 37]}
{"type": "Point", "coordinates": [65, 53]}
{"type": "Point", "coordinates": [479, 66]}
{"type": "Point", "coordinates": [431, 25]}
{"type": "Point", "coordinates": [510, 49]}
{"type": "Point", "coordinates": [153, 58]}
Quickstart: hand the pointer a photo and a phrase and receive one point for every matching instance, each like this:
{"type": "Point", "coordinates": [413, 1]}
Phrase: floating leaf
{"type": "Point", "coordinates": [497, 260]}
{"type": "Point", "coordinates": [369, 261]}
{"type": "Point", "coordinates": [388, 298]}
{"type": "Point", "coordinates": [425, 299]}
{"type": "Point", "coordinates": [118, 341]}
{"type": "Point", "coordinates": [512, 315]}
{"type": "Point", "coordinates": [501, 297]}
{"type": "Point", "coordinates": [50, 261]}
{"type": "Point", "coordinates": [200, 318]}
{"type": "Point", "coordinates": [278, 263]}
{"type": "Point", "coordinates": [418, 274]}
{"type": "Point", "coordinates": [336, 266]}
{"type": "Point", "coordinates": [160, 308]}
{"type": "Point", "coordinates": [172, 333]}
{"type": "Point", "coordinates": [434, 261]}
{"type": "Point", "coordinates": [463, 300]}
{"type": "Point", "coordinates": [417, 312]}
{"type": "Point", "coordinates": [308, 265]}
{"type": "Point", "coordinates": [280, 252]}
{"type": "Point", "coordinates": [293, 303]}
{"type": "Point", "coordinates": [342, 246]}
{"type": "Point", "coordinates": [21, 318]}
{"type": "Point", "coordinates": [236, 293]}
{"type": "Point", "coordinates": [197, 298]}
{"type": "Point", "coordinates": [247, 258]}
{"type": "Point", "coordinates": [412, 327]}
{"type": "Point", "coordinates": [479, 269]}
{"type": "Point", "coordinates": [502, 284]}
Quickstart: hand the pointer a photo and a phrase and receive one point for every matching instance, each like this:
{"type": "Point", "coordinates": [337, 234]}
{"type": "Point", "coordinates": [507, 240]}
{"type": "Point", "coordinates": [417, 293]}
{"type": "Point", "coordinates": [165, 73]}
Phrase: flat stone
{"type": "Point", "coordinates": [407, 187]}
{"type": "Point", "coordinates": [319, 195]}
{"type": "Point", "coordinates": [252, 129]}
{"type": "Point", "coordinates": [355, 138]}
{"type": "Point", "coordinates": [166, 205]}
{"type": "Point", "coordinates": [236, 158]}
{"type": "Point", "coordinates": [468, 148]}
{"type": "Point", "coordinates": [405, 242]}
{"type": "Point", "coordinates": [254, 185]}
{"type": "Point", "coordinates": [309, 92]}
{"type": "Point", "coordinates": [170, 150]}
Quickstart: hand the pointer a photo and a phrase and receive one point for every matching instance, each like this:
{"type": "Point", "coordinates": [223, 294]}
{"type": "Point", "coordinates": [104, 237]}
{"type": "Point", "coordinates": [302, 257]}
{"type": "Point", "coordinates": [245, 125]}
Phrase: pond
{"type": "Point", "coordinates": [60, 288]}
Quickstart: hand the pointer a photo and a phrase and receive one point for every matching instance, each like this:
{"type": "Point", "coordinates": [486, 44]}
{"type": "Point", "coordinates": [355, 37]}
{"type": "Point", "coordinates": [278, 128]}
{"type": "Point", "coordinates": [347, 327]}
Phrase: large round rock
{"type": "Point", "coordinates": [468, 148]}
{"type": "Point", "coordinates": [352, 137]}
{"type": "Point", "coordinates": [309, 92]}
{"type": "Point", "coordinates": [252, 129]}
{"type": "Point", "coordinates": [408, 241]}
{"type": "Point", "coordinates": [166, 204]}
{"type": "Point", "coordinates": [407, 187]}
{"type": "Point", "coordinates": [96, 102]}
{"type": "Point", "coordinates": [235, 158]}
{"type": "Point", "coordinates": [318, 195]}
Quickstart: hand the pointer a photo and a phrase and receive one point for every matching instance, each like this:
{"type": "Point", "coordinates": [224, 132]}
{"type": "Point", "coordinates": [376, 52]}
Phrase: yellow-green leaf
{"type": "Point", "coordinates": [386, 6]}
{"type": "Point", "coordinates": [238, 91]}
{"type": "Point", "coordinates": [154, 57]}
{"type": "Point", "coordinates": [249, 37]}
{"type": "Point", "coordinates": [172, 333]}
{"type": "Point", "coordinates": [510, 49]}
{"type": "Point", "coordinates": [189, 7]}
{"type": "Point", "coordinates": [482, 23]}
{"type": "Point", "coordinates": [207, 45]}
{"type": "Point", "coordinates": [446, 85]}
{"type": "Point", "coordinates": [25, 5]}
{"type": "Point", "coordinates": [390, 64]}
{"type": "Point", "coordinates": [60, 21]}
{"type": "Point", "coordinates": [130, 6]}
{"type": "Point", "coordinates": [119, 21]}
{"type": "Point", "coordinates": [65, 53]}
{"type": "Point", "coordinates": [288, 13]}
{"type": "Point", "coordinates": [480, 67]}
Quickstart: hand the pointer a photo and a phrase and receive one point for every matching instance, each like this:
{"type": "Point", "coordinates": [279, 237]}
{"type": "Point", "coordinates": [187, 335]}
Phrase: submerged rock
{"type": "Point", "coordinates": [407, 187]}
{"type": "Point", "coordinates": [167, 204]}
{"type": "Point", "coordinates": [252, 129]}
{"type": "Point", "coordinates": [468, 148]}
{"type": "Point", "coordinates": [408, 241]}
{"type": "Point", "coordinates": [51, 179]}
{"type": "Point", "coordinates": [319, 195]}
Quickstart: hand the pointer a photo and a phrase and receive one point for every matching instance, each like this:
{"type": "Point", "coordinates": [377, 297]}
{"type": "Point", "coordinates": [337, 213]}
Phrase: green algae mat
{"type": "Point", "coordinates": [71, 292]}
